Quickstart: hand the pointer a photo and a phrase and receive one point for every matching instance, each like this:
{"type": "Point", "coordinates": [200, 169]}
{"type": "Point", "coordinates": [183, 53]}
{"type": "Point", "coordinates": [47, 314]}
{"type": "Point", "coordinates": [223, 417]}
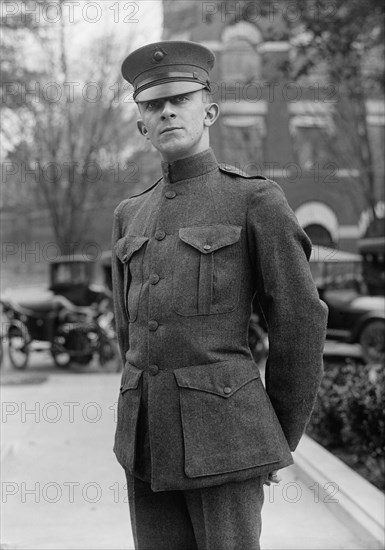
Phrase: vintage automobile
{"type": "Point", "coordinates": [354, 315]}
{"type": "Point", "coordinates": [73, 319]}
{"type": "Point", "coordinates": [80, 279]}
{"type": "Point", "coordinates": [372, 251]}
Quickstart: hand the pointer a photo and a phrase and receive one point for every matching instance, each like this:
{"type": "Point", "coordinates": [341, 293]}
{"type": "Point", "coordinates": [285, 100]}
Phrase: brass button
{"type": "Point", "coordinates": [158, 55]}
{"type": "Point", "coordinates": [154, 278]}
{"type": "Point", "coordinates": [153, 325]}
{"type": "Point", "coordinates": [160, 235]}
{"type": "Point", "coordinates": [227, 390]}
{"type": "Point", "coordinates": [153, 370]}
{"type": "Point", "coordinates": [207, 247]}
{"type": "Point", "coordinates": [170, 194]}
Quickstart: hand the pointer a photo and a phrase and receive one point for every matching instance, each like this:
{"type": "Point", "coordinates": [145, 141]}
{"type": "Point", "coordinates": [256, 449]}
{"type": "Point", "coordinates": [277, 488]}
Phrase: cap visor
{"type": "Point", "coordinates": [168, 89]}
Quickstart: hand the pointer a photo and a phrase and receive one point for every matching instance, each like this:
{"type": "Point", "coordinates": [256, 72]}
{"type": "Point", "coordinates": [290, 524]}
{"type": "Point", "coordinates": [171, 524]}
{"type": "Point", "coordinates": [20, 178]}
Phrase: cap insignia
{"type": "Point", "coordinates": [158, 55]}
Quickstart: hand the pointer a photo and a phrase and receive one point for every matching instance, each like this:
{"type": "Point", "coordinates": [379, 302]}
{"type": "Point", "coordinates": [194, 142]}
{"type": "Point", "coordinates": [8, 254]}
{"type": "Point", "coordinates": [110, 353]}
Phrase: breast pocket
{"type": "Point", "coordinates": [130, 251]}
{"type": "Point", "coordinates": [205, 276]}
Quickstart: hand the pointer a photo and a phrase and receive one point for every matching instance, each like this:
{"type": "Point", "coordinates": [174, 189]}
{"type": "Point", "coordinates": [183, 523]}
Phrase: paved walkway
{"type": "Point", "coordinates": [63, 489]}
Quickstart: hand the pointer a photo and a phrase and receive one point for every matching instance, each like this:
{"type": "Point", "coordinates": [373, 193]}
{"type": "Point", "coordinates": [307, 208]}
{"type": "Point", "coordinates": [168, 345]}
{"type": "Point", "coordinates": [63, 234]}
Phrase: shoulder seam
{"type": "Point", "coordinates": [123, 203]}
{"type": "Point", "coordinates": [146, 190]}
{"type": "Point", "coordinates": [120, 207]}
{"type": "Point", "coordinates": [228, 169]}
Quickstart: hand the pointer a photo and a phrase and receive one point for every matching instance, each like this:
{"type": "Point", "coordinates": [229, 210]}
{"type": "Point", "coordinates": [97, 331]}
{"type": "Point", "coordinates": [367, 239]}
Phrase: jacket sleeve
{"type": "Point", "coordinates": [118, 282]}
{"type": "Point", "coordinates": [295, 315]}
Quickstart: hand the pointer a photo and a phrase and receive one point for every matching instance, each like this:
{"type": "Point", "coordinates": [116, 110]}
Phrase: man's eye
{"type": "Point", "coordinates": [152, 105]}
{"type": "Point", "coordinates": [181, 98]}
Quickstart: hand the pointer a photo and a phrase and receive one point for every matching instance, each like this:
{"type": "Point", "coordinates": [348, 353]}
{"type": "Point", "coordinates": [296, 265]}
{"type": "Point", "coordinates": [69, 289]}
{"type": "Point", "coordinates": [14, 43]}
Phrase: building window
{"type": "Point", "coordinates": [376, 129]}
{"type": "Point", "coordinates": [319, 235]}
{"type": "Point", "coordinates": [243, 140]}
{"type": "Point", "coordinates": [311, 148]}
{"type": "Point", "coordinates": [320, 223]}
{"type": "Point", "coordinates": [240, 61]}
{"type": "Point", "coordinates": [313, 130]}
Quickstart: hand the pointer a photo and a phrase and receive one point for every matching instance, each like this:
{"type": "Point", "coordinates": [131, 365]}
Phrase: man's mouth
{"type": "Point", "coordinates": [170, 129]}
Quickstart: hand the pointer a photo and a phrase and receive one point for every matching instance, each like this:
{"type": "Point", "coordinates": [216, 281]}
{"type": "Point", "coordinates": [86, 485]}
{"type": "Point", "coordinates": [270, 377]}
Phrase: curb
{"type": "Point", "coordinates": [360, 505]}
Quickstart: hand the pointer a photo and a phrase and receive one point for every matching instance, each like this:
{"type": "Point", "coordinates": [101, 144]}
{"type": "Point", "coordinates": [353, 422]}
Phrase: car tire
{"type": "Point", "coordinates": [18, 348]}
{"type": "Point", "coordinates": [59, 353]}
{"type": "Point", "coordinates": [109, 356]}
{"type": "Point", "coordinates": [372, 341]}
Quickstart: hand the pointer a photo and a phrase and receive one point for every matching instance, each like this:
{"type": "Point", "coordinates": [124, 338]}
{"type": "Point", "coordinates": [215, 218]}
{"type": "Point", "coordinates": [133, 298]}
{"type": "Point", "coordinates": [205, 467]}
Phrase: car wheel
{"type": "Point", "coordinates": [109, 356]}
{"type": "Point", "coordinates": [59, 353]}
{"type": "Point", "coordinates": [18, 348]}
{"type": "Point", "coordinates": [372, 340]}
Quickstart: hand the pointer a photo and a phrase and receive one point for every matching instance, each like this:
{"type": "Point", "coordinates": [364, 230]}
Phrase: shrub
{"type": "Point", "coordinates": [349, 416]}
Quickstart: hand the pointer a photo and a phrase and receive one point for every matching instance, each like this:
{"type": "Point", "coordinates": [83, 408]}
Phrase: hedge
{"type": "Point", "coordinates": [349, 416]}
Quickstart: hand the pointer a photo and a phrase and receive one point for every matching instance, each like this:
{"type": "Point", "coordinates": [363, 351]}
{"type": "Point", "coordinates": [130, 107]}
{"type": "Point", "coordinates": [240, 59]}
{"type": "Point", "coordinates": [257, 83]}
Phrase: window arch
{"type": "Point", "coordinates": [240, 61]}
{"type": "Point", "coordinates": [319, 235]}
{"type": "Point", "coordinates": [320, 223]}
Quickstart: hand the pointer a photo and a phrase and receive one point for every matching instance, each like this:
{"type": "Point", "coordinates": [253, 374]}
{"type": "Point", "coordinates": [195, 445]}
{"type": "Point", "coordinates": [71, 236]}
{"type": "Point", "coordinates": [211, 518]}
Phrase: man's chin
{"type": "Point", "coordinates": [173, 152]}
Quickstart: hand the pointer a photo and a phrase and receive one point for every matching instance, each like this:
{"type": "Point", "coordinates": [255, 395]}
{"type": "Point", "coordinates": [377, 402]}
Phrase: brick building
{"type": "Point", "coordinates": [278, 128]}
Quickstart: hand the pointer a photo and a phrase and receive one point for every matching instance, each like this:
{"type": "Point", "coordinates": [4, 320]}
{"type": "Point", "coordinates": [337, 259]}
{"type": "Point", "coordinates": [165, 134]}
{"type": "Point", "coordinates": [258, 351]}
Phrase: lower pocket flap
{"type": "Point", "coordinates": [222, 379]}
{"type": "Point", "coordinates": [130, 378]}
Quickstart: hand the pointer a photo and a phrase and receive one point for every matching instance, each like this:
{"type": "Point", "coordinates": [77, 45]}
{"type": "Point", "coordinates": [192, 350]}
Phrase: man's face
{"type": "Point", "coordinates": [177, 126]}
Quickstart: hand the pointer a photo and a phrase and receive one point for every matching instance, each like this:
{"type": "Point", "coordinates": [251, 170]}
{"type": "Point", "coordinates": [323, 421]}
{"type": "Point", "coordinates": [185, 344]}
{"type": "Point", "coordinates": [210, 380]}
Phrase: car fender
{"type": "Point", "coordinates": [376, 315]}
{"type": "Point", "coordinates": [15, 325]}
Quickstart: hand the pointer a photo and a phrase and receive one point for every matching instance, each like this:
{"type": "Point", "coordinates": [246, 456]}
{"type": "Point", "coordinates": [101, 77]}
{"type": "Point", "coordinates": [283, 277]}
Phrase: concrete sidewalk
{"type": "Point", "coordinates": [63, 489]}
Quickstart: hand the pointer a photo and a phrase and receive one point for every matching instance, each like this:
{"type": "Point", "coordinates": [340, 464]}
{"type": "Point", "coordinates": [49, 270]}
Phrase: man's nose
{"type": "Point", "coordinates": [168, 110]}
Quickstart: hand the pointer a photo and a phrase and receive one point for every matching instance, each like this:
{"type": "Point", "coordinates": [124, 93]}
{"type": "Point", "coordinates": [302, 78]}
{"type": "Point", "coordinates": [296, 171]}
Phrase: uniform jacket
{"type": "Point", "coordinates": [189, 255]}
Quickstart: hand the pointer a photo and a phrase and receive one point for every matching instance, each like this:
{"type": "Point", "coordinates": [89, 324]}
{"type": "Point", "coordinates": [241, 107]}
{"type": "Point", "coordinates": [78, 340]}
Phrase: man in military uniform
{"type": "Point", "coordinates": [197, 433]}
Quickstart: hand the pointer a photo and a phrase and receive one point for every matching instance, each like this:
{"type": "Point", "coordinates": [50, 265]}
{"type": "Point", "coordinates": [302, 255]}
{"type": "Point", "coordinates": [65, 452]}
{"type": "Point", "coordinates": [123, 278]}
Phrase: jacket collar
{"type": "Point", "coordinates": [190, 167]}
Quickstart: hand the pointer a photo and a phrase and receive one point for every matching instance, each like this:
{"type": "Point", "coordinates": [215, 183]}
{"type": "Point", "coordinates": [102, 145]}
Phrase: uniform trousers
{"type": "Point", "coordinates": [225, 517]}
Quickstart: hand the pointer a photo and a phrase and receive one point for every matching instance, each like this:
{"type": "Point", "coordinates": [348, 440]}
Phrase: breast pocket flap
{"type": "Point", "coordinates": [208, 239]}
{"type": "Point", "coordinates": [130, 378]}
{"type": "Point", "coordinates": [127, 245]}
{"type": "Point", "coordinates": [223, 380]}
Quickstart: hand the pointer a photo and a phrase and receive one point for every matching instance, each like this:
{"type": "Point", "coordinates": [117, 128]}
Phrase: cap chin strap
{"type": "Point", "coordinates": [164, 78]}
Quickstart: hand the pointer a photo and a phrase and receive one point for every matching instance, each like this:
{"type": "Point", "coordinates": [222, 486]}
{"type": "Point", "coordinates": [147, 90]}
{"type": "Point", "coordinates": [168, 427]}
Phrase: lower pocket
{"type": "Point", "coordinates": [227, 419]}
{"type": "Point", "coordinates": [127, 417]}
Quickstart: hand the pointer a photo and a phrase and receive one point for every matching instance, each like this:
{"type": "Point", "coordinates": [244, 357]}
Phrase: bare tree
{"type": "Point", "coordinates": [70, 132]}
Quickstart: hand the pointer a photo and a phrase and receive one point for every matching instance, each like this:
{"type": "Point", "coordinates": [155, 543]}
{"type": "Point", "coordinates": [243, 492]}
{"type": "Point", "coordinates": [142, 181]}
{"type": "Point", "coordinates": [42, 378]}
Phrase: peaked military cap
{"type": "Point", "coordinates": [168, 68]}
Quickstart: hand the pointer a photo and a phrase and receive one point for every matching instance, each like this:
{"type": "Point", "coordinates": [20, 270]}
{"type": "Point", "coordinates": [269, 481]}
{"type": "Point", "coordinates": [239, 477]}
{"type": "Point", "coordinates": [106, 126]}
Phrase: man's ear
{"type": "Point", "coordinates": [142, 129]}
{"type": "Point", "coordinates": [212, 113]}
